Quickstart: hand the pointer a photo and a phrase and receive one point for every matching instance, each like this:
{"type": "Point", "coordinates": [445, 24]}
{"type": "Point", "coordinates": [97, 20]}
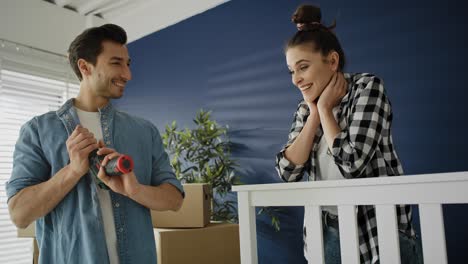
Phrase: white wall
{"type": "Point", "coordinates": [41, 25]}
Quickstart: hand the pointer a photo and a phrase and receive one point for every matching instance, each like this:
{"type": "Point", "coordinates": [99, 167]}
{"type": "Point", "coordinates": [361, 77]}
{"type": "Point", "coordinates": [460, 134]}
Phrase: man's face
{"type": "Point", "coordinates": [111, 72]}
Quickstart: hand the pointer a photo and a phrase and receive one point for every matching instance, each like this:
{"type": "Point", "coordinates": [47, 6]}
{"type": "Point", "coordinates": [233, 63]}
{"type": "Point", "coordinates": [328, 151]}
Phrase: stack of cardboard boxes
{"type": "Point", "coordinates": [187, 236]}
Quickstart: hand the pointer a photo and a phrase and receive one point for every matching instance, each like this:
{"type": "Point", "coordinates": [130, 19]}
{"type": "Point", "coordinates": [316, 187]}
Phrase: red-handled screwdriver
{"type": "Point", "coordinates": [120, 165]}
{"type": "Point", "coordinates": [115, 167]}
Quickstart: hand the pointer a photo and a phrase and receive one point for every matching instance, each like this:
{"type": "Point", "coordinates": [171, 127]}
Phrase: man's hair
{"type": "Point", "coordinates": [88, 45]}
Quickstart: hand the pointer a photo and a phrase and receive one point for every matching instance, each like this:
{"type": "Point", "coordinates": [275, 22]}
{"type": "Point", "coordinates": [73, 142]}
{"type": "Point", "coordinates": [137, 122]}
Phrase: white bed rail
{"type": "Point", "coordinates": [429, 191]}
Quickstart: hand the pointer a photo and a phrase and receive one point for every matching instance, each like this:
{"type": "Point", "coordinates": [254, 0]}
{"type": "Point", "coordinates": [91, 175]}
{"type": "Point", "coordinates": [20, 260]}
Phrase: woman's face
{"type": "Point", "coordinates": [310, 70]}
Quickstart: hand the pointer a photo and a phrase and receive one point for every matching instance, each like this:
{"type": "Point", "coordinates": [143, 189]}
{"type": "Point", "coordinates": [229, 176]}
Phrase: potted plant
{"type": "Point", "coordinates": [202, 155]}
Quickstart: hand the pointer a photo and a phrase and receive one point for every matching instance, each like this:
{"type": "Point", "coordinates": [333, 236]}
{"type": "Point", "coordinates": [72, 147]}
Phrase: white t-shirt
{"type": "Point", "coordinates": [326, 167]}
{"type": "Point", "coordinates": [92, 121]}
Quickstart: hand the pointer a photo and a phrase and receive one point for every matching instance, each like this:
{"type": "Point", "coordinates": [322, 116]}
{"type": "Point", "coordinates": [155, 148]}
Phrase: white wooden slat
{"type": "Point", "coordinates": [27, 76]}
{"type": "Point", "coordinates": [31, 80]}
{"type": "Point", "coordinates": [8, 128]}
{"type": "Point", "coordinates": [433, 234]}
{"type": "Point", "coordinates": [40, 98]}
{"type": "Point", "coordinates": [12, 246]}
{"type": "Point", "coordinates": [40, 69]}
{"type": "Point", "coordinates": [37, 89]}
{"type": "Point", "coordinates": [19, 112]}
{"type": "Point", "coordinates": [387, 230]}
{"type": "Point", "coordinates": [396, 182]}
{"type": "Point", "coordinates": [11, 103]}
{"type": "Point", "coordinates": [348, 234]}
{"type": "Point", "coordinates": [55, 104]}
{"type": "Point", "coordinates": [6, 149]}
{"type": "Point", "coordinates": [314, 239]}
{"type": "Point", "coordinates": [248, 230]}
{"type": "Point", "coordinates": [10, 138]}
{"type": "Point", "coordinates": [16, 258]}
{"type": "Point", "coordinates": [4, 172]}
{"type": "Point", "coordinates": [25, 81]}
{"type": "Point", "coordinates": [365, 191]}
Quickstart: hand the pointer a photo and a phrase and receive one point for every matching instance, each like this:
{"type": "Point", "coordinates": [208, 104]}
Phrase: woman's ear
{"type": "Point", "coordinates": [334, 60]}
{"type": "Point", "coordinates": [84, 67]}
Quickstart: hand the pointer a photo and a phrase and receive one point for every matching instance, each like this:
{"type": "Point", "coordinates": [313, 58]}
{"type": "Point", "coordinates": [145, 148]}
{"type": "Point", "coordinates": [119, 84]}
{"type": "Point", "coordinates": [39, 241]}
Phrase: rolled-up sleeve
{"type": "Point", "coordinates": [162, 171]}
{"type": "Point", "coordinates": [288, 171]}
{"type": "Point", "coordinates": [354, 146]}
{"type": "Point", "coordinates": [30, 167]}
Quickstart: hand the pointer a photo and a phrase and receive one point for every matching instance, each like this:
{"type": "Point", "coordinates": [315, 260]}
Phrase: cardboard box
{"type": "Point", "coordinates": [195, 211]}
{"type": "Point", "coordinates": [28, 231]}
{"type": "Point", "coordinates": [35, 252]}
{"type": "Point", "coordinates": [214, 244]}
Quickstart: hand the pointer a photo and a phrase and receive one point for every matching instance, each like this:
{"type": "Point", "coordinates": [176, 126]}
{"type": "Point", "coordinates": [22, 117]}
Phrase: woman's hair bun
{"type": "Point", "coordinates": [306, 14]}
{"type": "Point", "coordinates": [310, 30]}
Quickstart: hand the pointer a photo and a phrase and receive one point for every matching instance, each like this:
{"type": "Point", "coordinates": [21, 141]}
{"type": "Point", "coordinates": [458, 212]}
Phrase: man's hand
{"type": "Point", "coordinates": [80, 143]}
{"type": "Point", "coordinates": [125, 184]}
{"type": "Point", "coordinates": [333, 92]}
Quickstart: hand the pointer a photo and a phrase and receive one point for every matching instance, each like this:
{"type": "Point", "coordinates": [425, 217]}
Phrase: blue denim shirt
{"type": "Point", "coordinates": [73, 231]}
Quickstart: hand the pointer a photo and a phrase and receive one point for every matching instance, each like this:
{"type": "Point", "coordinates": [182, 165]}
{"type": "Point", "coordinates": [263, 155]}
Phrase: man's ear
{"type": "Point", "coordinates": [84, 67]}
{"type": "Point", "coordinates": [334, 60]}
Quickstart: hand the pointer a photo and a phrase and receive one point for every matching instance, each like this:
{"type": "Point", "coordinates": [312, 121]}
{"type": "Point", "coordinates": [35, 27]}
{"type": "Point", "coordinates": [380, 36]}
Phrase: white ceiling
{"type": "Point", "coordinates": [102, 8]}
{"type": "Point", "coordinates": [139, 17]}
{"type": "Point", "coordinates": [52, 24]}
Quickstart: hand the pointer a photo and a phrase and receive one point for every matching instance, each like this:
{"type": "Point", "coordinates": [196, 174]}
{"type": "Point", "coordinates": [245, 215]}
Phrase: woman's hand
{"type": "Point", "coordinates": [314, 113]}
{"type": "Point", "coordinates": [333, 92]}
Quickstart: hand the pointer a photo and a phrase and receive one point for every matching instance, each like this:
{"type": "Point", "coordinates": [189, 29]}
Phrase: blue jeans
{"type": "Point", "coordinates": [410, 248]}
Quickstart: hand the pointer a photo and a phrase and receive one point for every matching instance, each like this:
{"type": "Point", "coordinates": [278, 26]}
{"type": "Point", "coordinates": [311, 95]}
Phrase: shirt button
{"type": "Point", "coordinates": [108, 143]}
{"type": "Point", "coordinates": [121, 229]}
{"type": "Point", "coordinates": [117, 204]}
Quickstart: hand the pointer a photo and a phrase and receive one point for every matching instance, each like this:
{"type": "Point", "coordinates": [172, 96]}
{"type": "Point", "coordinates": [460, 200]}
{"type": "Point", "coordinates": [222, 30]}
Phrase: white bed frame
{"type": "Point", "coordinates": [429, 191]}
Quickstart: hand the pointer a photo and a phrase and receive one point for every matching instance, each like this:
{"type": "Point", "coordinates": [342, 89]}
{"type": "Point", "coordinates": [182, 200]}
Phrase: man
{"type": "Point", "coordinates": [77, 221]}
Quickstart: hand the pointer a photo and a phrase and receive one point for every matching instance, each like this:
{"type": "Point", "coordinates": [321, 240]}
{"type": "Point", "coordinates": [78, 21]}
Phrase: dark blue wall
{"type": "Point", "coordinates": [230, 60]}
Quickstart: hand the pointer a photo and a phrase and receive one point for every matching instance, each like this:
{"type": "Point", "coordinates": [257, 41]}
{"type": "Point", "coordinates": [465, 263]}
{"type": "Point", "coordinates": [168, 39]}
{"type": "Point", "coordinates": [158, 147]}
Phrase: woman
{"type": "Point", "coordinates": [341, 130]}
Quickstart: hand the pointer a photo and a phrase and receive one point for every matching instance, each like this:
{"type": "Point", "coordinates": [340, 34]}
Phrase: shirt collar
{"type": "Point", "coordinates": [68, 105]}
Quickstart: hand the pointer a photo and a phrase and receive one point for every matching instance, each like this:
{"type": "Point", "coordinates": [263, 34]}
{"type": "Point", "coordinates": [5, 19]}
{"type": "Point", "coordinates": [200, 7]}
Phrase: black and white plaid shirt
{"type": "Point", "coordinates": [363, 148]}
